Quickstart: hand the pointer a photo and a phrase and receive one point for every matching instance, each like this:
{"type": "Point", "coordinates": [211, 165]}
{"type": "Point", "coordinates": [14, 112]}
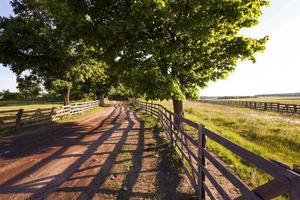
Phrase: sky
{"type": "Point", "coordinates": [276, 70]}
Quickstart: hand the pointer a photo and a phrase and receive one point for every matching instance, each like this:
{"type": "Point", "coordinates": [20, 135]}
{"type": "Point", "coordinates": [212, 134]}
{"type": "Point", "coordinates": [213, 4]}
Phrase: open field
{"type": "Point", "coordinates": [27, 105]}
{"type": "Point", "coordinates": [31, 118]}
{"type": "Point", "coordinates": [15, 105]}
{"type": "Point", "coordinates": [32, 104]}
{"type": "Point", "coordinates": [267, 134]}
{"type": "Point", "coordinates": [284, 100]}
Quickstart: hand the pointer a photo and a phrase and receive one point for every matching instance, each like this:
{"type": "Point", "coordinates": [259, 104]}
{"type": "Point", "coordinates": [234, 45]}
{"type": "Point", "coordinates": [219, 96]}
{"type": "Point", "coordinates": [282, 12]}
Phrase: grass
{"type": "Point", "coordinates": [174, 162]}
{"type": "Point", "coordinates": [270, 135]}
{"type": "Point", "coordinates": [31, 104]}
{"type": "Point", "coordinates": [284, 100]}
{"type": "Point", "coordinates": [27, 105]}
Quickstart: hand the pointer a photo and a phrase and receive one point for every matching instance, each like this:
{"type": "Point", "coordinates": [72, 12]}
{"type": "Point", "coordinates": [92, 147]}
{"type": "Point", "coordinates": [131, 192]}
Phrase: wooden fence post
{"type": "Point", "coordinates": [201, 162]}
{"type": "Point", "coordinates": [295, 195]}
{"type": "Point", "coordinates": [38, 113]}
{"type": "Point", "coordinates": [296, 168]}
{"type": "Point", "coordinates": [52, 112]}
{"type": "Point", "coordinates": [146, 108]}
{"type": "Point", "coordinates": [19, 118]}
{"type": "Point", "coordinates": [171, 129]}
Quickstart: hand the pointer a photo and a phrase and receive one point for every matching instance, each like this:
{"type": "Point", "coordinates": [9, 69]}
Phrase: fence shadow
{"type": "Point", "coordinates": [62, 138]}
{"type": "Point", "coordinates": [168, 179]}
{"type": "Point", "coordinates": [42, 139]}
{"type": "Point", "coordinates": [86, 176]}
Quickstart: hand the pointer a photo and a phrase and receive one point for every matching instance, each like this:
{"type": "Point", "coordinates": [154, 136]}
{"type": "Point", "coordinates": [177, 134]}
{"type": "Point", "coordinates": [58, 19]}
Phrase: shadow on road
{"type": "Point", "coordinates": [113, 156]}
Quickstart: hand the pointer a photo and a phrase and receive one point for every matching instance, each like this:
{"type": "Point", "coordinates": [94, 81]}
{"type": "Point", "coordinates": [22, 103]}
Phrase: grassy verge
{"type": "Point", "coordinates": [174, 161]}
{"type": "Point", "coordinates": [32, 104]}
{"type": "Point", "coordinates": [28, 104]}
{"type": "Point", "coordinates": [270, 135]}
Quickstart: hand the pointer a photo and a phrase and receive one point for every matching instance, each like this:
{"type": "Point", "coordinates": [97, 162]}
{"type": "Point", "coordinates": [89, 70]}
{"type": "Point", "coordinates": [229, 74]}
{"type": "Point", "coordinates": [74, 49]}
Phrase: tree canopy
{"type": "Point", "coordinates": [32, 41]}
{"type": "Point", "coordinates": [29, 86]}
{"type": "Point", "coordinates": [161, 49]}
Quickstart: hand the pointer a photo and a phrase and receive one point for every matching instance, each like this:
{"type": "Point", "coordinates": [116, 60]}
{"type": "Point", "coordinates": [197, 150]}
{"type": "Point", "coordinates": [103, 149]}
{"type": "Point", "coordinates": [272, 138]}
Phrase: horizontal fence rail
{"type": "Point", "coordinates": [14, 119]}
{"type": "Point", "coordinates": [268, 106]}
{"type": "Point", "coordinates": [75, 108]}
{"type": "Point", "coordinates": [189, 140]}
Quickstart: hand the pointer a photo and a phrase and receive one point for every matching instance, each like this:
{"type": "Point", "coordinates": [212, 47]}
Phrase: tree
{"type": "Point", "coordinates": [166, 49]}
{"type": "Point", "coordinates": [88, 80]}
{"type": "Point", "coordinates": [119, 92]}
{"type": "Point", "coordinates": [161, 49]}
{"type": "Point", "coordinates": [31, 41]}
{"type": "Point", "coordinates": [98, 81]}
{"type": "Point", "coordinates": [35, 40]}
{"type": "Point", "coordinates": [29, 86]}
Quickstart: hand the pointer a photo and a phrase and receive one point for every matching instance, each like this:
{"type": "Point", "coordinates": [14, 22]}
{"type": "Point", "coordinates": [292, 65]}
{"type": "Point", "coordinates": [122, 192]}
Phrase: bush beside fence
{"type": "Point", "coordinates": [194, 155]}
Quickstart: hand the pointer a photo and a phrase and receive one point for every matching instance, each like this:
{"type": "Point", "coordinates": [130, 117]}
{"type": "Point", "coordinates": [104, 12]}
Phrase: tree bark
{"type": "Point", "coordinates": [178, 110]}
{"type": "Point", "coordinates": [66, 93]}
{"type": "Point", "coordinates": [101, 99]}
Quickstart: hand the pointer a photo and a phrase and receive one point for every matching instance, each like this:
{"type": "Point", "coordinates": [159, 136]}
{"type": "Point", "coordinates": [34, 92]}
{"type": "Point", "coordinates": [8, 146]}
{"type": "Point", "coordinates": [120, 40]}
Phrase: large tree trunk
{"type": "Point", "coordinates": [101, 99]}
{"type": "Point", "coordinates": [178, 109]}
{"type": "Point", "coordinates": [66, 93]}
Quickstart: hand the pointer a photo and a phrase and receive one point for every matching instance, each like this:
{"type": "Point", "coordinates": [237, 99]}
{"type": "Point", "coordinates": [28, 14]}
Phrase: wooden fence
{"type": "Point", "coordinates": [14, 119]}
{"type": "Point", "coordinates": [75, 108]}
{"type": "Point", "coordinates": [189, 140]}
{"type": "Point", "coordinates": [269, 106]}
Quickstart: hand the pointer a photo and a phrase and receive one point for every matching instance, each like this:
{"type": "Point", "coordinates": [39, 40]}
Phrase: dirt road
{"type": "Point", "coordinates": [107, 155]}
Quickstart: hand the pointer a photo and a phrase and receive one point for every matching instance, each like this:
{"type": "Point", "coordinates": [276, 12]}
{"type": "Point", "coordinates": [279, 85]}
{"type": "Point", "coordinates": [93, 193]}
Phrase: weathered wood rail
{"type": "Point", "coordinates": [268, 106]}
{"type": "Point", "coordinates": [14, 119]}
{"type": "Point", "coordinates": [75, 108]}
{"type": "Point", "coordinates": [189, 140]}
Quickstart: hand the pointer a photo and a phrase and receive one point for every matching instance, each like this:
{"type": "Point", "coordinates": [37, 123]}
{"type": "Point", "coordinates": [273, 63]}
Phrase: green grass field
{"type": "Point", "coordinates": [33, 105]}
{"type": "Point", "coordinates": [284, 100]}
{"type": "Point", "coordinates": [27, 105]}
{"type": "Point", "coordinates": [270, 135]}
